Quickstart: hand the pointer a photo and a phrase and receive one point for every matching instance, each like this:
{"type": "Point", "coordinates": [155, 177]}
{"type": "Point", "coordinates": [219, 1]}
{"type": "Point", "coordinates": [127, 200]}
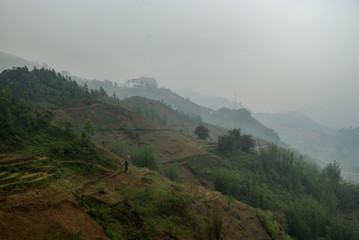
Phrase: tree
{"type": "Point", "coordinates": [87, 129]}
{"type": "Point", "coordinates": [247, 143]}
{"type": "Point", "coordinates": [332, 172]}
{"type": "Point", "coordinates": [102, 93]}
{"type": "Point", "coordinates": [202, 132]}
{"type": "Point", "coordinates": [234, 140]}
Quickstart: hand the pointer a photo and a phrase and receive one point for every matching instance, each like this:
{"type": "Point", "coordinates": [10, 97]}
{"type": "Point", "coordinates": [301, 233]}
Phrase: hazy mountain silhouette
{"type": "Point", "coordinates": [9, 61]}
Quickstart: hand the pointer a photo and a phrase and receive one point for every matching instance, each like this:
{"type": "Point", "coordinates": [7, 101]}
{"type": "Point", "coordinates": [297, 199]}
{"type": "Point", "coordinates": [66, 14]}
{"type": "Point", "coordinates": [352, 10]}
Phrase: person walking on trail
{"type": "Point", "coordinates": [126, 166]}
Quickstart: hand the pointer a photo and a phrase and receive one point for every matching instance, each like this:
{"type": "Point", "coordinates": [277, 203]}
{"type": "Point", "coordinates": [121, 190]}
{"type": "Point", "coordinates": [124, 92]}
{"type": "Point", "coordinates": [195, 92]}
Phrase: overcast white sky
{"type": "Point", "coordinates": [277, 55]}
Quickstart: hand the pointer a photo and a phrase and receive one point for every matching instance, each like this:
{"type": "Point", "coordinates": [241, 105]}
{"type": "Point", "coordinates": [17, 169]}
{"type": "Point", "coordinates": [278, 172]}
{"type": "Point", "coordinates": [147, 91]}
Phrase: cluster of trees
{"type": "Point", "coordinates": [18, 119]}
{"type": "Point", "coordinates": [47, 88]}
{"type": "Point", "coordinates": [145, 157]}
{"type": "Point", "coordinates": [202, 132]}
{"type": "Point", "coordinates": [148, 113]}
{"type": "Point", "coordinates": [25, 128]}
{"type": "Point", "coordinates": [235, 140]}
{"type": "Point", "coordinates": [314, 198]}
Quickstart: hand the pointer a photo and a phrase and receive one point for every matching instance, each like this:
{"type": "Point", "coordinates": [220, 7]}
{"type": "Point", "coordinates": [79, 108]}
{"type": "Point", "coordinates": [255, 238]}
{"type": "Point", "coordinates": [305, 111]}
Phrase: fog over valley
{"type": "Point", "coordinates": [276, 56]}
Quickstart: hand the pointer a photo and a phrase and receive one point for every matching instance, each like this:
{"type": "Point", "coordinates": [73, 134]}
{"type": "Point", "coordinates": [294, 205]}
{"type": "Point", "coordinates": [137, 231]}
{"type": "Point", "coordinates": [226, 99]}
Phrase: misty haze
{"type": "Point", "coordinates": [164, 119]}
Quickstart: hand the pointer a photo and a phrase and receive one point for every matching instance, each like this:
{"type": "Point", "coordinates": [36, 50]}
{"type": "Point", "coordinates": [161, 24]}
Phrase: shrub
{"type": "Point", "coordinates": [118, 149]}
{"type": "Point", "coordinates": [226, 182]}
{"type": "Point", "coordinates": [201, 132]}
{"type": "Point", "coordinates": [235, 140]}
{"type": "Point", "coordinates": [171, 171]}
{"type": "Point", "coordinates": [145, 157]}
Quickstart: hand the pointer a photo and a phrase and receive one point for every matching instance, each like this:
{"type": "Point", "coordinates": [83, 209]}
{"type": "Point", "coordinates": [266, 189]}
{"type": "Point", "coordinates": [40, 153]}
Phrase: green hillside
{"type": "Point", "coordinates": [322, 143]}
{"type": "Point", "coordinates": [164, 114]}
{"type": "Point", "coordinates": [56, 184]}
{"type": "Point", "coordinates": [226, 118]}
{"type": "Point", "coordinates": [70, 162]}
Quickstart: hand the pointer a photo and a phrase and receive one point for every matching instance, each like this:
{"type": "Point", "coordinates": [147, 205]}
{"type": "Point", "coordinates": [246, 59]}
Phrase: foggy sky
{"type": "Point", "coordinates": [277, 55]}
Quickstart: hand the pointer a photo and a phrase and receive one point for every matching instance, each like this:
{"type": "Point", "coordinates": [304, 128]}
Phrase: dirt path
{"type": "Point", "coordinates": [79, 108]}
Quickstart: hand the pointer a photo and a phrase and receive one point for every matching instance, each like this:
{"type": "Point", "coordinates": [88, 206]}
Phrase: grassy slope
{"type": "Point", "coordinates": [84, 200]}
{"type": "Point", "coordinates": [227, 118]}
{"type": "Point", "coordinates": [117, 124]}
{"type": "Point", "coordinates": [173, 119]}
{"type": "Point", "coordinates": [170, 146]}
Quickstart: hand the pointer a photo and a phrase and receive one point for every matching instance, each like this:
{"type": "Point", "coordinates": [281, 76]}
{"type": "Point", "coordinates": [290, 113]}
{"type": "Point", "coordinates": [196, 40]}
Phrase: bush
{"type": "Point", "coordinates": [214, 224]}
{"type": "Point", "coordinates": [307, 219]}
{"type": "Point", "coordinates": [171, 171]}
{"type": "Point", "coordinates": [118, 149]}
{"type": "Point", "coordinates": [226, 182]}
{"type": "Point", "coordinates": [201, 132]}
{"type": "Point", "coordinates": [235, 140]}
{"type": "Point", "coordinates": [145, 157]}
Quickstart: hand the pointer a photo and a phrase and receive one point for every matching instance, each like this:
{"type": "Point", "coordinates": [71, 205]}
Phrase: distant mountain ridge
{"type": "Point", "coordinates": [8, 61]}
{"type": "Point", "coordinates": [248, 124]}
{"type": "Point", "coordinates": [291, 126]}
{"type": "Point", "coordinates": [320, 142]}
{"type": "Point", "coordinates": [214, 103]}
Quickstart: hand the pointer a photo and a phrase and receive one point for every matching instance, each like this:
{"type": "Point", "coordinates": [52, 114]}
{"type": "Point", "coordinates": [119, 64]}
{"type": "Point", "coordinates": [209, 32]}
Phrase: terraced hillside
{"type": "Point", "coordinates": [163, 114]}
{"type": "Point", "coordinates": [118, 126]}
{"type": "Point", "coordinates": [11, 175]}
{"type": "Point", "coordinates": [108, 203]}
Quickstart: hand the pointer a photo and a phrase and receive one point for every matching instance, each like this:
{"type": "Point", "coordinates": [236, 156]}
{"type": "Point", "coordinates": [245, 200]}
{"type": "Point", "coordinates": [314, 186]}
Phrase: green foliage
{"type": "Point", "coordinates": [27, 131]}
{"type": "Point", "coordinates": [214, 224]}
{"type": "Point", "coordinates": [144, 110]}
{"type": "Point", "coordinates": [271, 226]}
{"type": "Point", "coordinates": [87, 129]}
{"type": "Point", "coordinates": [145, 157]}
{"type": "Point", "coordinates": [119, 149]}
{"type": "Point", "coordinates": [308, 219]}
{"type": "Point", "coordinates": [278, 179]}
{"type": "Point", "coordinates": [46, 88]}
{"type": "Point", "coordinates": [154, 204]}
{"type": "Point", "coordinates": [226, 182]}
{"type": "Point", "coordinates": [202, 132]}
{"type": "Point", "coordinates": [332, 173]}
{"type": "Point", "coordinates": [144, 211]}
{"type": "Point", "coordinates": [171, 171]}
{"type": "Point", "coordinates": [235, 140]}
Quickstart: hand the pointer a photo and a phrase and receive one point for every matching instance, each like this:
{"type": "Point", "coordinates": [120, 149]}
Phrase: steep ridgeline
{"type": "Point", "coordinates": [322, 143]}
{"type": "Point", "coordinates": [226, 118]}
